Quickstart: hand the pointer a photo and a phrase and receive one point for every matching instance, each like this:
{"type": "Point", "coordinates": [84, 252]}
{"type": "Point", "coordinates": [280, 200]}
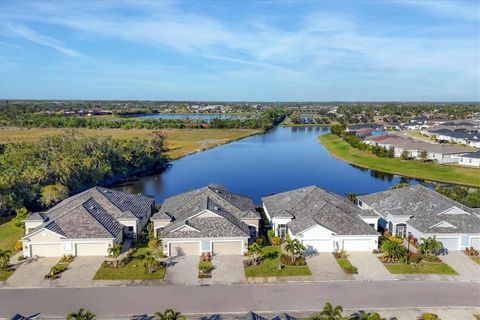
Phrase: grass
{"type": "Point", "coordinates": [9, 235]}
{"type": "Point", "coordinates": [421, 268]}
{"type": "Point", "coordinates": [5, 274]}
{"type": "Point", "coordinates": [180, 142]}
{"type": "Point", "coordinates": [134, 270]}
{"type": "Point", "coordinates": [269, 266]}
{"type": "Point", "coordinates": [410, 168]}
{"type": "Point", "coordinates": [346, 265]}
{"type": "Point", "coordinates": [476, 259]}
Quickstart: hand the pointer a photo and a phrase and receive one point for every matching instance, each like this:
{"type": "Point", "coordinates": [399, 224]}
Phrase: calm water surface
{"type": "Point", "coordinates": [279, 160]}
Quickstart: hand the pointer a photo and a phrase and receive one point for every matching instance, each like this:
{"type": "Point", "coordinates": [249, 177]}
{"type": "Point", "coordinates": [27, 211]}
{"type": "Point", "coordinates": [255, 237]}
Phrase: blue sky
{"type": "Point", "coordinates": [241, 50]}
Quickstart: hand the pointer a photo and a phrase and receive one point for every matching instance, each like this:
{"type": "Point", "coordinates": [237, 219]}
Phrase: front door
{"type": "Point", "coordinates": [282, 231]}
{"type": "Point", "coordinates": [401, 230]}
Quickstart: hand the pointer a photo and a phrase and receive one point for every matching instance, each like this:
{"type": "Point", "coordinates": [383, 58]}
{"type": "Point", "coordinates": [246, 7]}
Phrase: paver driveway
{"type": "Point", "coordinates": [369, 267]}
{"type": "Point", "coordinates": [31, 273]}
{"type": "Point", "coordinates": [324, 267]}
{"type": "Point", "coordinates": [465, 267]}
{"type": "Point", "coordinates": [80, 272]}
{"type": "Point", "coordinates": [182, 270]}
{"type": "Point", "coordinates": [228, 269]}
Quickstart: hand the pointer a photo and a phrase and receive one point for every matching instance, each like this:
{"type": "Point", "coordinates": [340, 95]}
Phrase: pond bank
{"type": "Point", "coordinates": [409, 168]}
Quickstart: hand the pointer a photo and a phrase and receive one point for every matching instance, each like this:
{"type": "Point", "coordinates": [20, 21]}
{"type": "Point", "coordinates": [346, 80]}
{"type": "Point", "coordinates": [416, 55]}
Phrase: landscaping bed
{"type": "Point", "coordinates": [57, 270]}
{"type": "Point", "coordinates": [342, 260]}
{"type": "Point", "coordinates": [205, 266]}
{"type": "Point", "coordinates": [131, 270]}
{"type": "Point", "coordinates": [271, 266]}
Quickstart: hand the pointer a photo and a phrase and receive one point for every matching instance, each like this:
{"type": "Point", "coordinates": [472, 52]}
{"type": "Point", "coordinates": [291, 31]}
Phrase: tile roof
{"type": "Point", "coordinates": [231, 209]}
{"type": "Point", "coordinates": [94, 213]}
{"type": "Point", "coordinates": [426, 208]}
{"type": "Point", "coordinates": [311, 206]}
{"type": "Point", "coordinates": [475, 155]}
{"type": "Point", "coordinates": [284, 316]}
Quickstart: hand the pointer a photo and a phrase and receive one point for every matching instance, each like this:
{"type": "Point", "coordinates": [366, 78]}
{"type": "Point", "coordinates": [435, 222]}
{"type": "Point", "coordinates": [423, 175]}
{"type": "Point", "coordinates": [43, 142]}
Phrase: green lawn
{"type": "Point", "coordinates": [269, 266]}
{"type": "Point", "coordinates": [134, 270]}
{"type": "Point", "coordinates": [411, 168]}
{"type": "Point", "coordinates": [476, 259]}
{"type": "Point", "coordinates": [9, 234]}
{"type": "Point", "coordinates": [346, 265]}
{"type": "Point", "coordinates": [4, 275]}
{"type": "Point", "coordinates": [421, 268]}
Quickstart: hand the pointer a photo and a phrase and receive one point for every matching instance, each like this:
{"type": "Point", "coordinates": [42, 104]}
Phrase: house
{"type": "Point", "coordinates": [392, 126]}
{"type": "Point", "coordinates": [86, 224]}
{"type": "Point", "coordinates": [322, 221]}
{"type": "Point", "coordinates": [352, 129]}
{"type": "Point", "coordinates": [421, 212]}
{"type": "Point", "coordinates": [471, 159]}
{"type": "Point", "coordinates": [255, 316]}
{"type": "Point", "coordinates": [208, 219]}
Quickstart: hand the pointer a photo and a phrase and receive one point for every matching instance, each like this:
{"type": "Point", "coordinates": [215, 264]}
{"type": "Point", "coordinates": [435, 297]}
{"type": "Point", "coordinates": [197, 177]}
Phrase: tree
{"type": "Point", "coordinates": [81, 314]}
{"type": "Point", "coordinates": [21, 214]}
{"type": "Point", "coordinates": [290, 247]}
{"type": "Point", "coordinates": [330, 313]}
{"type": "Point", "coordinates": [424, 154]}
{"type": "Point", "coordinates": [299, 247]}
{"type": "Point", "coordinates": [352, 197]}
{"type": "Point", "coordinates": [429, 246]}
{"type": "Point", "coordinates": [169, 314]}
{"type": "Point", "coordinates": [115, 250]}
{"type": "Point", "coordinates": [53, 193]}
{"type": "Point", "coordinates": [362, 315]}
{"type": "Point", "coordinates": [254, 252]}
{"type": "Point", "coordinates": [4, 258]}
{"type": "Point", "coordinates": [150, 263]}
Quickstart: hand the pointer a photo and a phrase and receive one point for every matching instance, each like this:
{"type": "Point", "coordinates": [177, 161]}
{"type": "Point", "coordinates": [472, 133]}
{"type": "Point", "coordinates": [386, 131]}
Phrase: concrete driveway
{"type": "Point", "coordinates": [80, 272]}
{"type": "Point", "coordinates": [324, 268]}
{"type": "Point", "coordinates": [460, 262]}
{"type": "Point", "coordinates": [31, 273]}
{"type": "Point", "coordinates": [369, 267]}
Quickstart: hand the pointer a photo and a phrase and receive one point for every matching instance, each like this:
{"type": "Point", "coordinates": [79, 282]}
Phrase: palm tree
{"type": "Point", "coordinates": [254, 251]}
{"type": "Point", "coordinates": [81, 314]}
{"type": "Point", "coordinates": [393, 249]}
{"type": "Point", "coordinates": [4, 258]}
{"type": "Point", "coordinates": [299, 247]}
{"type": "Point", "coordinates": [429, 246]}
{"type": "Point", "coordinates": [168, 314]}
{"type": "Point", "coordinates": [115, 250]}
{"type": "Point", "coordinates": [290, 247]}
{"type": "Point", "coordinates": [329, 313]}
{"type": "Point", "coordinates": [362, 315]}
{"type": "Point", "coordinates": [150, 263]}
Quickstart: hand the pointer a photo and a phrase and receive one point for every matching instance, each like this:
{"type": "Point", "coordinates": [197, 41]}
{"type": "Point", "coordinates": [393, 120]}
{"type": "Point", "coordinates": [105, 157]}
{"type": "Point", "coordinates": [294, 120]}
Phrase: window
{"type": "Point", "coordinates": [282, 231]}
{"type": "Point", "coordinates": [401, 230]}
{"type": "Point", "coordinates": [130, 228]}
{"type": "Point", "coordinates": [205, 245]}
{"type": "Point", "coordinates": [360, 203]}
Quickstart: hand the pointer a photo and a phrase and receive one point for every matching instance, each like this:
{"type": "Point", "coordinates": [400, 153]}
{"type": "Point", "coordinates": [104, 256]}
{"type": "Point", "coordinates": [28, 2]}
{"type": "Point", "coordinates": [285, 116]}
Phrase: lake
{"type": "Point", "coordinates": [282, 159]}
{"type": "Point", "coordinates": [192, 116]}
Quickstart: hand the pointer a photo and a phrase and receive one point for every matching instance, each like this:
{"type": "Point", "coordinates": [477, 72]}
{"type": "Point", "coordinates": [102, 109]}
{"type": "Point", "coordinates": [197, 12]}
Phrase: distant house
{"type": "Point", "coordinates": [470, 159]}
{"type": "Point", "coordinates": [321, 220]}
{"type": "Point", "coordinates": [422, 212]}
{"type": "Point", "coordinates": [393, 126]}
{"type": "Point", "coordinates": [208, 219]}
{"type": "Point", "coordinates": [359, 127]}
{"type": "Point", "coordinates": [86, 224]}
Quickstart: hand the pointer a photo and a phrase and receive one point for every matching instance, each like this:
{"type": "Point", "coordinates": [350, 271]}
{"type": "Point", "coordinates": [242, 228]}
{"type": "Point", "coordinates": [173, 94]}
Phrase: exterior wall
{"type": "Point", "coordinates": [252, 222]}
{"type": "Point", "coordinates": [471, 162]}
{"type": "Point", "coordinates": [471, 237]}
{"type": "Point", "coordinates": [30, 225]}
{"type": "Point", "coordinates": [134, 224]}
{"type": "Point", "coordinates": [371, 221]}
{"type": "Point", "coordinates": [276, 221]}
{"type": "Point", "coordinates": [204, 243]}
{"type": "Point", "coordinates": [356, 243]}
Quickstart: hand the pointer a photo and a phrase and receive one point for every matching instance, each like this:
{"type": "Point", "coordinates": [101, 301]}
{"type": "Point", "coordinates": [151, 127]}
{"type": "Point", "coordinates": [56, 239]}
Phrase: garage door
{"type": "Point", "coordinates": [358, 245]}
{"type": "Point", "coordinates": [92, 249]}
{"type": "Point", "coordinates": [47, 250]}
{"type": "Point", "coordinates": [475, 243]}
{"type": "Point", "coordinates": [449, 243]}
{"type": "Point", "coordinates": [313, 246]}
{"type": "Point", "coordinates": [227, 247]}
{"type": "Point", "coordinates": [185, 248]}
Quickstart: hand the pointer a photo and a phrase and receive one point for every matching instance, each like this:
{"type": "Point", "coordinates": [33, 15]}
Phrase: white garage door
{"type": "Point", "coordinates": [313, 246]}
{"type": "Point", "coordinates": [92, 249]}
{"type": "Point", "coordinates": [227, 247]}
{"type": "Point", "coordinates": [47, 250]}
{"type": "Point", "coordinates": [475, 243]}
{"type": "Point", "coordinates": [358, 245]}
{"type": "Point", "coordinates": [449, 243]}
{"type": "Point", "coordinates": [185, 248]}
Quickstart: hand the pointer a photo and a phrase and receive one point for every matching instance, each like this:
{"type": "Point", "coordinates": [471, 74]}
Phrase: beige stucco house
{"type": "Point", "coordinates": [208, 219]}
{"type": "Point", "coordinates": [86, 224]}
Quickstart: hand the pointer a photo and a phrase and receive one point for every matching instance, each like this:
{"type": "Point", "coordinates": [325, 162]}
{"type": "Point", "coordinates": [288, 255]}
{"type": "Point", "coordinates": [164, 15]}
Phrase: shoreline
{"type": "Point", "coordinates": [380, 164]}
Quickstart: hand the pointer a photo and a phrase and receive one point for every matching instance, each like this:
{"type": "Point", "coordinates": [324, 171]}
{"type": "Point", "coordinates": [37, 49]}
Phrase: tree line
{"type": "Point", "coordinates": [37, 175]}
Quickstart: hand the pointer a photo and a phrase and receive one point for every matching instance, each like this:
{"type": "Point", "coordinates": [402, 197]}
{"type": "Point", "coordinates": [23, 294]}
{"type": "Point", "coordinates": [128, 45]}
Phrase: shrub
{"type": "Point", "coordinates": [387, 234]}
{"type": "Point", "coordinates": [206, 256]}
{"type": "Point", "coordinates": [275, 241]}
{"type": "Point", "coordinates": [259, 241]}
{"type": "Point", "coordinates": [152, 244]}
{"type": "Point", "coordinates": [428, 316]}
{"type": "Point", "coordinates": [66, 258]}
{"type": "Point", "coordinates": [412, 257]}
{"type": "Point", "coordinates": [21, 258]}
{"type": "Point", "coordinates": [288, 260]}
{"type": "Point", "coordinates": [342, 254]}
{"type": "Point", "coordinates": [350, 269]}
{"type": "Point", "coordinates": [471, 252]}
{"type": "Point", "coordinates": [55, 271]}
{"type": "Point", "coordinates": [18, 245]}
{"type": "Point", "coordinates": [205, 269]}
{"type": "Point", "coordinates": [430, 258]}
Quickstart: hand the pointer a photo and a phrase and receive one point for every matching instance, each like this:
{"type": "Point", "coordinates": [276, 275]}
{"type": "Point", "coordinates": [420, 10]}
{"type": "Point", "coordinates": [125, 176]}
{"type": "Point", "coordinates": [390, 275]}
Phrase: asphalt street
{"type": "Point", "coordinates": [301, 297]}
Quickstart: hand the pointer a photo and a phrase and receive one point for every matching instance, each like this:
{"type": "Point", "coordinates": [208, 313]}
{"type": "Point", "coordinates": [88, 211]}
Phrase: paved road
{"type": "Point", "coordinates": [121, 301]}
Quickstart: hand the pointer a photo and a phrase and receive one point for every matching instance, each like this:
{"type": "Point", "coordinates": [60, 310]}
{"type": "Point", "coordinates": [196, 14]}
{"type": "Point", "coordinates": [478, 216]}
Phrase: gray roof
{"type": "Point", "coordinates": [231, 210]}
{"type": "Point", "coordinates": [311, 206]}
{"type": "Point", "coordinates": [426, 208]}
{"type": "Point", "coordinates": [94, 213]}
{"type": "Point", "coordinates": [475, 155]}
{"type": "Point", "coordinates": [284, 316]}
